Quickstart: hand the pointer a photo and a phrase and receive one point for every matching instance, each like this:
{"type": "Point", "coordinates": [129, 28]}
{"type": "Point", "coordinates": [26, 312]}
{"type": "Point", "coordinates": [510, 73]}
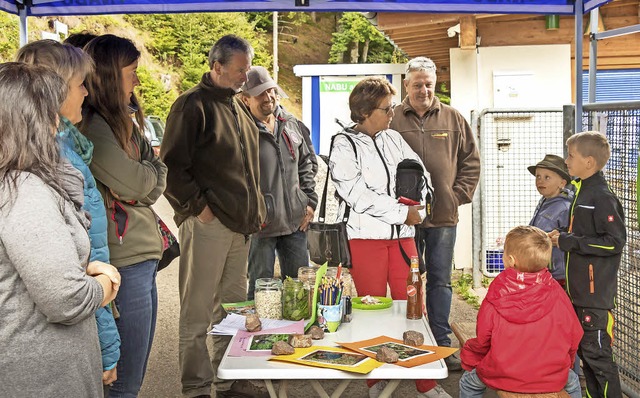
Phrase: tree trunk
{"type": "Point", "coordinates": [365, 52]}
{"type": "Point", "coordinates": [354, 53]}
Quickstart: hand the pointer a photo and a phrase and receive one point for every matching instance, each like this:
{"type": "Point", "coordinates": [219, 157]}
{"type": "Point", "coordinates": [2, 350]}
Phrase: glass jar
{"type": "Point", "coordinates": [268, 297]}
{"type": "Point", "coordinates": [295, 300]}
{"type": "Point", "coordinates": [308, 277]}
{"type": "Point", "coordinates": [349, 288]}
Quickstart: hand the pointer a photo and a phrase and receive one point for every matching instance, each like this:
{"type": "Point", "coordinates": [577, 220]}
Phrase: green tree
{"type": "Point", "coordinates": [184, 40]}
{"type": "Point", "coordinates": [360, 42]}
{"type": "Point", "coordinates": [9, 36]}
{"type": "Point", "coordinates": [155, 99]}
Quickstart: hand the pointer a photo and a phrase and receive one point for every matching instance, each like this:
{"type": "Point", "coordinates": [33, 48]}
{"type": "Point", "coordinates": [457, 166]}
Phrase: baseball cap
{"type": "Point", "coordinates": [259, 80]}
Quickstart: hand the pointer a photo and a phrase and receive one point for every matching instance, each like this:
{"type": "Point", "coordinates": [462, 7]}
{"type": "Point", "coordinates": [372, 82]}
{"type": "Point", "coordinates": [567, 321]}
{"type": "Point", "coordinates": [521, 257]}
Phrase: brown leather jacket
{"type": "Point", "coordinates": [444, 141]}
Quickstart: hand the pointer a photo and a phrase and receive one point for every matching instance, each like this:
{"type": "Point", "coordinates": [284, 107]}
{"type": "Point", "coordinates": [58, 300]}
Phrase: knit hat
{"type": "Point", "coordinates": [259, 80]}
{"type": "Point", "coordinates": [553, 163]}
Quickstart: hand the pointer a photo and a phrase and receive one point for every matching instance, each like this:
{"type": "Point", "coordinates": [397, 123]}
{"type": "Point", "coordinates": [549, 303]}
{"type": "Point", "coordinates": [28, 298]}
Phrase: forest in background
{"type": "Point", "coordinates": [175, 47]}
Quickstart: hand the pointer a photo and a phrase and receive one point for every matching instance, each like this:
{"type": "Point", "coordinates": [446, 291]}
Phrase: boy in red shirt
{"type": "Point", "coordinates": [527, 330]}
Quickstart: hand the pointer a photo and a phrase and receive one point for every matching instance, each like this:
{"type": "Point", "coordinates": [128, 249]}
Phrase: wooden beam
{"type": "Point", "coordinates": [388, 20]}
{"type": "Point", "coordinates": [468, 32]}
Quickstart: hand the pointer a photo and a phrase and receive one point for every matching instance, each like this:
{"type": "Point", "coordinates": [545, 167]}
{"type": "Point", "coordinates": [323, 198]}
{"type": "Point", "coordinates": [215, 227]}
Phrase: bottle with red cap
{"type": "Point", "coordinates": [414, 291]}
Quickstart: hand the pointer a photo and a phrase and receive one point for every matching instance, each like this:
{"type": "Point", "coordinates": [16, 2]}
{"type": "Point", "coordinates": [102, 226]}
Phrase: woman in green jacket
{"type": "Point", "coordinates": [131, 178]}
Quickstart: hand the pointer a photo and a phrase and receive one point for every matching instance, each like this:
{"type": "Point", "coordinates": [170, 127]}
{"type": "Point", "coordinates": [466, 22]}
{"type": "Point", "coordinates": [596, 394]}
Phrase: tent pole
{"type": "Point", "coordinates": [578, 48]}
{"type": "Point", "coordinates": [593, 54]}
{"type": "Point", "coordinates": [24, 33]}
{"type": "Point", "coordinates": [275, 46]}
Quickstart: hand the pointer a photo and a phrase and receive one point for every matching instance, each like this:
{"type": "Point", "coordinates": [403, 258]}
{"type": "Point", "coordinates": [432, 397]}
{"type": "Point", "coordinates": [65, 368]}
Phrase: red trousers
{"type": "Point", "coordinates": [376, 263]}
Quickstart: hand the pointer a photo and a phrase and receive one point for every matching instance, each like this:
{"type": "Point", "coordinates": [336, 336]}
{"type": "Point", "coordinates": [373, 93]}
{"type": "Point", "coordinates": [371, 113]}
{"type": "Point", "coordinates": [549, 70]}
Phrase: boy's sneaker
{"type": "Point", "coordinates": [453, 362]}
{"type": "Point", "coordinates": [435, 392]}
{"type": "Point", "coordinates": [376, 389]}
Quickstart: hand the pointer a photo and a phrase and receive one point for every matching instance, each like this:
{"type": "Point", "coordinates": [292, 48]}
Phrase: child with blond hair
{"type": "Point", "coordinates": [593, 243]}
{"type": "Point", "coordinates": [519, 346]}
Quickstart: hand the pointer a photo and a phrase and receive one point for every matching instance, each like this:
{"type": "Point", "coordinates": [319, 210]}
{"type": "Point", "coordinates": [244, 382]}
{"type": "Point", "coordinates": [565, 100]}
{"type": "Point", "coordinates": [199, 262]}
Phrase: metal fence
{"type": "Point", "coordinates": [511, 140]}
{"type": "Point", "coordinates": [620, 122]}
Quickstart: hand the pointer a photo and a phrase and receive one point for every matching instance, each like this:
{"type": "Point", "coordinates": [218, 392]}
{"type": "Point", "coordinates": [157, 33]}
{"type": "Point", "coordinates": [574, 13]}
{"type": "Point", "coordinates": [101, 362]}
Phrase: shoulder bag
{"type": "Point", "coordinates": [328, 242]}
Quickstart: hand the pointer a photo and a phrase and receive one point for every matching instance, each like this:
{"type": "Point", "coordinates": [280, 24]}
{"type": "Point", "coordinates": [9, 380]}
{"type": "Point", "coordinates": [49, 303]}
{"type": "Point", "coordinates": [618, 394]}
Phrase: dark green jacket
{"type": "Point", "coordinates": [210, 146]}
{"type": "Point", "coordinates": [133, 232]}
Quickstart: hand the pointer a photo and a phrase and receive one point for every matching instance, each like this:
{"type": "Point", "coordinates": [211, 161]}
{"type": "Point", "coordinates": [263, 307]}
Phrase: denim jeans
{"type": "Point", "coordinates": [292, 253]}
{"type": "Point", "coordinates": [137, 303]}
{"type": "Point", "coordinates": [436, 245]}
{"type": "Point", "coordinates": [472, 387]}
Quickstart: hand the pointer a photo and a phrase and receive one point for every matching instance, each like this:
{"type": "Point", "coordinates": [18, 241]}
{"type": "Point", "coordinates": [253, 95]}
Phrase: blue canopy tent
{"type": "Point", "coordinates": [25, 8]}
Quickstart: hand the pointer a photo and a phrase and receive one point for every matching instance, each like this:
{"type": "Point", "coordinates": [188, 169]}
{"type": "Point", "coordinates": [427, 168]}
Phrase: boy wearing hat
{"type": "Point", "coordinates": [552, 212]}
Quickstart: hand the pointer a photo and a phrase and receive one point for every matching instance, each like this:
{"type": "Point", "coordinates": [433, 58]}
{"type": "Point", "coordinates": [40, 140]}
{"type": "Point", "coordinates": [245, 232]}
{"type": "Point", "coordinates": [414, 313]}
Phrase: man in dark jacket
{"type": "Point", "coordinates": [286, 180]}
{"type": "Point", "coordinates": [443, 139]}
{"type": "Point", "coordinates": [211, 150]}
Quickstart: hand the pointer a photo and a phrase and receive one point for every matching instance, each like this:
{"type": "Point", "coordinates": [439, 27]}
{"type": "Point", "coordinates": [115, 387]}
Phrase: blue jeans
{"type": "Point", "coordinates": [292, 253]}
{"type": "Point", "coordinates": [472, 387]}
{"type": "Point", "coordinates": [137, 303]}
{"type": "Point", "coordinates": [436, 245]}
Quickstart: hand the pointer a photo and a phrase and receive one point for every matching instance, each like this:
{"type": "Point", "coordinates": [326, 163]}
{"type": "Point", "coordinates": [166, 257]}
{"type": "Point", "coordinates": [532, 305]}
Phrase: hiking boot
{"type": "Point", "coordinates": [243, 389]}
{"type": "Point", "coordinates": [376, 389]}
{"type": "Point", "coordinates": [453, 362]}
{"type": "Point", "coordinates": [435, 392]}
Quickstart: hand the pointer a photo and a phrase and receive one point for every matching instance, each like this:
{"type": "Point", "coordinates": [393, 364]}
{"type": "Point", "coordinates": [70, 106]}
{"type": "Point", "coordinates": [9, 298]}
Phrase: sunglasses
{"type": "Point", "coordinates": [388, 109]}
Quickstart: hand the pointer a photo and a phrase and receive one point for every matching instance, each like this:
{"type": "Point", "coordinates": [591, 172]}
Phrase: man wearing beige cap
{"type": "Point", "coordinates": [286, 180]}
{"type": "Point", "coordinates": [211, 150]}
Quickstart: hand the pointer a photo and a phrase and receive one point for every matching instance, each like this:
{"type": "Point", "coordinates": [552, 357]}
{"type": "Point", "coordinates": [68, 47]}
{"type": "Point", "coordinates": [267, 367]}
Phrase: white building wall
{"type": "Point", "coordinates": [541, 79]}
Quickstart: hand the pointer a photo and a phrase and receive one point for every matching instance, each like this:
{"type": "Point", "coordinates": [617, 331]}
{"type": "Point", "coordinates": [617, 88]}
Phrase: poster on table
{"type": "Point", "coordinates": [409, 356]}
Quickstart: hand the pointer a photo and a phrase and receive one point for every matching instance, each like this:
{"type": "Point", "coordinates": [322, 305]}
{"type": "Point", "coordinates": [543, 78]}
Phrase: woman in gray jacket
{"type": "Point", "coordinates": [48, 292]}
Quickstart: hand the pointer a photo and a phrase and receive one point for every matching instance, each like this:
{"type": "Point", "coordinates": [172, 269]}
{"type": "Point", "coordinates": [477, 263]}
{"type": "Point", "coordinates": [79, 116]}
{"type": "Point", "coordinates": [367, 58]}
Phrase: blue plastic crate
{"type": "Point", "coordinates": [494, 261]}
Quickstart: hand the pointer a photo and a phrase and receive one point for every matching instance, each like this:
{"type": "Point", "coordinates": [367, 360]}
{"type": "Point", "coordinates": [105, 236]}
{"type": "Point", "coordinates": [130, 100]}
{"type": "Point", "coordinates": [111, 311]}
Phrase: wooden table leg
{"type": "Point", "coordinates": [272, 391]}
{"type": "Point", "coordinates": [340, 389]}
{"type": "Point", "coordinates": [321, 392]}
{"type": "Point", "coordinates": [389, 389]}
{"type": "Point", "coordinates": [282, 391]}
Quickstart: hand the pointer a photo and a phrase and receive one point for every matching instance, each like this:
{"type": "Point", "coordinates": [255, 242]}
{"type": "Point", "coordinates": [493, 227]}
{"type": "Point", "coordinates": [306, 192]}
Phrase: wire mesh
{"type": "Point", "coordinates": [510, 141]}
{"type": "Point", "coordinates": [622, 128]}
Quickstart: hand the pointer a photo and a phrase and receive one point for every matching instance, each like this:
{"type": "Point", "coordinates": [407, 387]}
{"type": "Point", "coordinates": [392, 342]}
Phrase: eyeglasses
{"type": "Point", "coordinates": [420, 65]}
{"type": "Point", "coordinates": [388, 109]}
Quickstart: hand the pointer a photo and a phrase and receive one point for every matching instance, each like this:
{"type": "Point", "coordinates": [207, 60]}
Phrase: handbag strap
{"type": "Point", "coordinates": [323, 201]}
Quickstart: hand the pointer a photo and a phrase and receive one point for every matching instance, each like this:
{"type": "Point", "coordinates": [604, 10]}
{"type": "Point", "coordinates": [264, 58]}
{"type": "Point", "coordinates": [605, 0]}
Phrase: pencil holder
{"type": "Point", "coordinates": [329, 317]}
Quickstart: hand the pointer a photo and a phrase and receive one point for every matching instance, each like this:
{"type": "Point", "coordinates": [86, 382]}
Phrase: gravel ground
{"type": "Point", "coordinates": [163, 377]}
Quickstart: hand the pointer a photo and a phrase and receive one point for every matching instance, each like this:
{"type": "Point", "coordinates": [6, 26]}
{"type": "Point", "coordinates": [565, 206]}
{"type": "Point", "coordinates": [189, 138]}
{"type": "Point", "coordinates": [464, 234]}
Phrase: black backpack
{"type": "Point", "coordinates": [411, 181]}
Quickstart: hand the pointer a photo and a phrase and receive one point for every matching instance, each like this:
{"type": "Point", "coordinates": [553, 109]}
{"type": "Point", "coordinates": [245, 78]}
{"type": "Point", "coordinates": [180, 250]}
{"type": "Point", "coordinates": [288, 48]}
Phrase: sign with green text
{"type": "Point", "coordinates": [337, 86]}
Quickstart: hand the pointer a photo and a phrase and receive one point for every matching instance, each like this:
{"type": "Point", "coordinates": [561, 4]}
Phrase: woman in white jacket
{"type": "Point", "coordinates": [365, 180]}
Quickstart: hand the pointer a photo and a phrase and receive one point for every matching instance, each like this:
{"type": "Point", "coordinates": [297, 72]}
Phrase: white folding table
{"type": "Point", "coordinates": [366, 324]}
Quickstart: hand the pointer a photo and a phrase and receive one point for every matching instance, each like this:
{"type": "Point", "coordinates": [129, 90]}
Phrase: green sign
{"type": "Point", "coordinates": [337, 86]}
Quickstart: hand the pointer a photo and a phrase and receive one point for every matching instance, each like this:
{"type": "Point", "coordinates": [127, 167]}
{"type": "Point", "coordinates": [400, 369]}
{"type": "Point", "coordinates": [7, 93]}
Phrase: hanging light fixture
{"type": "Point", "coordinates": [552, 22]}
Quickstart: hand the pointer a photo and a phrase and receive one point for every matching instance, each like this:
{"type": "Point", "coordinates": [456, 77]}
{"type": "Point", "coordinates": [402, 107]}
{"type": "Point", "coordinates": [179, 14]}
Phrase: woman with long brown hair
{"type": "Point", "coordinates": [48, 291]}
{"type": "Point", "coordinates": [131, 178]}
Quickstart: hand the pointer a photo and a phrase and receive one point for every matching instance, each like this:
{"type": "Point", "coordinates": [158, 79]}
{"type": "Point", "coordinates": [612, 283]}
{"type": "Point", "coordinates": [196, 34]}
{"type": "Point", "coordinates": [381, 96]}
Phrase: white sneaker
{"type": "Point", "coordinates": [435, 392]}
{"type": "Point", "coordinates": [376, 389]}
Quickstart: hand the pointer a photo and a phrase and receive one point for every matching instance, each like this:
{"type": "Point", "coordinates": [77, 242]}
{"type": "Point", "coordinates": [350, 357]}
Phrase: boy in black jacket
{"type": "Point", "coordinates": [593, 246]}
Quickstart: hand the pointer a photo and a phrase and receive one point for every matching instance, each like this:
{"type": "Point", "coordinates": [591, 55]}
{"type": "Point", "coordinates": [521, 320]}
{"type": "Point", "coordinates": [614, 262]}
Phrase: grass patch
{"type": "Point", "coordinates": [463, 285]}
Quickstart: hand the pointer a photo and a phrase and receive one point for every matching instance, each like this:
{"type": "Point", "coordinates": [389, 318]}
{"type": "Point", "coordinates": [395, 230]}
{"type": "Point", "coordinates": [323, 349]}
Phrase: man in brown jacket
{"type": "Point", "coordinates": [444, 141]}
{"type": "Point", "coordinates": [213, 184]}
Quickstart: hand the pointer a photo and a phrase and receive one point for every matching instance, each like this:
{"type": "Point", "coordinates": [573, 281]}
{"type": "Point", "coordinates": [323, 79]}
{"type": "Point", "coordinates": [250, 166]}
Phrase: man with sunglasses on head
{"type": "Point", "coordinates": [444, 141]}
